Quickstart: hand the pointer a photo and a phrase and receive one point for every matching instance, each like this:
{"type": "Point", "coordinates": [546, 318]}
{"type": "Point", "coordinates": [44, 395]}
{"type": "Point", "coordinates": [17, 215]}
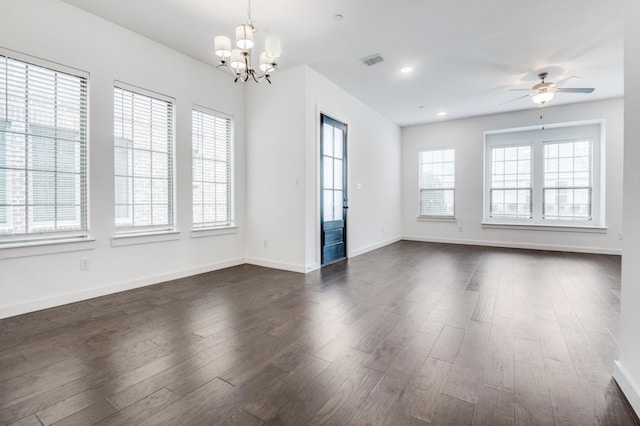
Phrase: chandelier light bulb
{"type": "Point", "coordinates": [237, 60]}
{"type": "Point", "coordinates": [223, 46]}
{"type": "Point", "coordinates": [265, 62]}
{"type": "Point", "coordinates": [273, 48]}
{"type": "Point", "coordinates": [244, 36]}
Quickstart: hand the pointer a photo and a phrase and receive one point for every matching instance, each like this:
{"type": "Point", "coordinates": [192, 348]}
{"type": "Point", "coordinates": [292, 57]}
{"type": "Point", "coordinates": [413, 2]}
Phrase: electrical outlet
{"type": "Point", "coordinates": [84, 264]}
{"type": "Point", "coordinates": [265, 243]}
{"type": "Point", "coordinates": [459, 228]}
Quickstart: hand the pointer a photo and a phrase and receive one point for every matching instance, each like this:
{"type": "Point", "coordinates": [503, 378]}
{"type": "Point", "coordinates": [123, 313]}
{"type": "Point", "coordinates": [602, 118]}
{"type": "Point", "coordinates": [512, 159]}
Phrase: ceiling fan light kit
{"type": "Point", "coordinates": [238, 60]}
{"type": "Point", "coordinates": [542, 97]}
{"type": "Point", "coordinates": [544, 92]}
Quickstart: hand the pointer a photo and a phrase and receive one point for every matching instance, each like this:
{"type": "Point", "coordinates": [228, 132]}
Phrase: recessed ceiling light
{"type": "Point", "coordinates": [421, 106]}
{"type": "Point", "coordinates": [442, 114]}
{"type": "Point", "coordinates": [406, 70]}
{"type": "Point", "coordinates": [338, 17]}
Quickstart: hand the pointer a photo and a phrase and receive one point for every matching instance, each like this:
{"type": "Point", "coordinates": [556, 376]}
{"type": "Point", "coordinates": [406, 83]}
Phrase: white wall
{"type": "Point", "coordinates": [373, 157]}
{"type": "Point", "coordinates": [627, 369]}
{"type": "Point", "coordinates": [467, 136]}
{"type": "Point", "coordinates": [275, 177]}
{"type": "Point", "coordinates": [283, 180]}
{"type": "Point", "coordinates": [109, 52]}
{"type": "Point", "coordinates": [279, 189]}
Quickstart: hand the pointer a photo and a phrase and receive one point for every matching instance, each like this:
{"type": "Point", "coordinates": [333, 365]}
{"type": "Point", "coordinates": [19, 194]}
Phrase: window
{"type": "Point", "coordinates": [437, 183]}
{"type": "Point", "coordinates": [211, 155]}
{"type": "Point", "coordinates": [545, 176]}
{"type": "Point", "coordinates": [143, 157]}
{"type": "Point", "coordinates": [43, 151]}
{"type": "Point", "coordinates": [567, 180]}
{"type": "Point", "coordinates": [510, 192]}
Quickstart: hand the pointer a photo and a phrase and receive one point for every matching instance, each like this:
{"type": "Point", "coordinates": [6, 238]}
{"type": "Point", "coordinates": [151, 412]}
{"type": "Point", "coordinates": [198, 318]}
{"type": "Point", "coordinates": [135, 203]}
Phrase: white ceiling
{"type": "Point", "coordinates": [466, 54]}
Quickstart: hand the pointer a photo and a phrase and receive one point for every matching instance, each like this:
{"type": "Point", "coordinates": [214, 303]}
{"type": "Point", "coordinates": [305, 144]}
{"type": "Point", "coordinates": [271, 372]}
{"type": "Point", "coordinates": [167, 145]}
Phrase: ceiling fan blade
{"type": "Point", "coordinates": [564, 80]}
{"type": "Point", "coordinates": [514, 99]}
{"type": "Point", "coordinates": [518, 90]}
{"type": "Point", "coordinates": [575, 89]}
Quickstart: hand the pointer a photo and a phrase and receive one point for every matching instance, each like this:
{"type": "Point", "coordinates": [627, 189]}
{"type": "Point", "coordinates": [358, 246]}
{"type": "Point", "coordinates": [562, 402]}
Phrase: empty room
{"type": "Point", "coordinates": [319, 213]}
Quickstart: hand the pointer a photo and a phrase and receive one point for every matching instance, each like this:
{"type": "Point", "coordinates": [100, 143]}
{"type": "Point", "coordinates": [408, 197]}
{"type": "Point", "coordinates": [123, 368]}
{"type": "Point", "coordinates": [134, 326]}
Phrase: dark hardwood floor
{"type": "Point", "coordinates": [410, 334]}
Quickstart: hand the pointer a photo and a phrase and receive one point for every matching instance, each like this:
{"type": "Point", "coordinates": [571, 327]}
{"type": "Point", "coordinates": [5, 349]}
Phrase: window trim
{"type": "Point", "coordinates": [44, 247]}
{"type": "Point", "coordinates": [29, 241]}
{"type": "Point", "coordinates": [143, 231]}
{"type": "Point", "coordinates": [490, 189]}
{"type": "Point", "coordinates": [201, 231]}
{"type": "Point", "coordinates": [443, 218]}
{"type": "Point", "coordinates": [148, 237]}
{"type": "Point", "coordinates": [590, 188]}
{"type": "Point", "coordinates": [564, 132]}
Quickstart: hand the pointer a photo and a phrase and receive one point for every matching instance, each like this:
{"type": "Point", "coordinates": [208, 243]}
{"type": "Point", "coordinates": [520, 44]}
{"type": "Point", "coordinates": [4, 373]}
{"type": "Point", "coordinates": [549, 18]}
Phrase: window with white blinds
{"type": "Point", "coordinates": [143, 157]}
{"type": "Point", "coordinates": [43, 151]}
{"type": "Point", "coordinates": [567, 180]}
{"type": "Point", "coordinates": [511, 182]}
{"type": "Point", "coordinates": [437, 183]}
{"type": "Point", "coordinates": [212, 135]}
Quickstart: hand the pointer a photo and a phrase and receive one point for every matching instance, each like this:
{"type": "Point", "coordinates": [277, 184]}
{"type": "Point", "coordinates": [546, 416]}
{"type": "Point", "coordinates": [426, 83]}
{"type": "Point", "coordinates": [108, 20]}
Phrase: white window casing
{"type": "Point", "coordinates": [565, 175]}
{"type": "Point", "coordinates": [144, 160]}
{"type": "Point", "coordinates": [436, 181]}
{"type": "Point", "coordinates": [212, 169]}
{"type": "Point", "coordinates": [43, 151]}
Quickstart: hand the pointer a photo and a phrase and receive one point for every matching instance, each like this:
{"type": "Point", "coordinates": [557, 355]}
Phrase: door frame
{"type": "Point", "coordinates": [318, 211]}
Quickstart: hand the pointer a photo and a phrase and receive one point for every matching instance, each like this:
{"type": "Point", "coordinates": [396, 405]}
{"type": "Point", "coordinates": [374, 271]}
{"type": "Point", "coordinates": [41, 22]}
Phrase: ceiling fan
{"type": "Point", "coordinates": [543, 92]}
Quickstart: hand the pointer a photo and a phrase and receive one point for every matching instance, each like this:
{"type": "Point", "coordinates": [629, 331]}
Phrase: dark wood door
{"type": "Point", "coordinates": [333, 189]}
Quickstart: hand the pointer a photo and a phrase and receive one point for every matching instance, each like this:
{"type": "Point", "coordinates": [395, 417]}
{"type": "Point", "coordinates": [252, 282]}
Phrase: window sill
{"type": "Point", "coordinates": [548, 227]}
{"type": "Point", "coordinates": [212, 232]}
{"type": "Point", "coordinates": [144, 238]}
{"type": "Point", "coordinates": [451, 219]}
{"type": "Point", "coordinates": [42, 247]}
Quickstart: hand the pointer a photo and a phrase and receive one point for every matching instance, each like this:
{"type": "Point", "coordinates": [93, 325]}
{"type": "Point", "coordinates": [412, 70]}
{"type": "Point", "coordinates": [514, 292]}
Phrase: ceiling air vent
{"type": "Point", "coordinates": [372, 60]}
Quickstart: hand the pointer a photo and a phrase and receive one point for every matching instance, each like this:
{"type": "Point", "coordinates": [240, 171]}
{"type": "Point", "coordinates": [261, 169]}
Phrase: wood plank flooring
{"type": "Point", "coordinates": [413, 333]}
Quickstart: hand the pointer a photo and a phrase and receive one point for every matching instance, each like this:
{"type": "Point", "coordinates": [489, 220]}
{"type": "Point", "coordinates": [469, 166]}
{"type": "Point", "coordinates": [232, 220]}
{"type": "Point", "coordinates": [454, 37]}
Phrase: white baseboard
{"type": "Point", "coordinates": [628, 385]}
{"type": "Point", "coordinates": [363, 250]}
{"type": "Point", "coordinates": [276, 265]}
{"type": "Point", "coordinates": [357, 252]}
{"type": "Point", "coordinates": [312, 267]}
{"type": "Point", "coordinates": [63, 299]}
{"type": "Point", "coordinates": [530, 246]}
{"type": "Point", "coordinates": [77, 296]}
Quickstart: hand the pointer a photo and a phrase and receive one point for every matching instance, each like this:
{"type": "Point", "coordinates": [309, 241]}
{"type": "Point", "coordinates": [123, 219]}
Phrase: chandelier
{"type": "Point", "coordinates": [238, 60]}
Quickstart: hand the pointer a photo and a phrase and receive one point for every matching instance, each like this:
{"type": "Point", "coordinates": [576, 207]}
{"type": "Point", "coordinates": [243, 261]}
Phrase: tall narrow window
{"type": "Point", "coordinates": [43, 151]}
{"type": "Point", "coordinates": [437, 183]}
{"type": "Point", "coordinates": [143, 156]}
{"type": "Point", "coordinates": [211, 152]}
{"type": "Point", "coordinates": [567, 180]}
{"type": "Point", "coordinates": [510, 191]}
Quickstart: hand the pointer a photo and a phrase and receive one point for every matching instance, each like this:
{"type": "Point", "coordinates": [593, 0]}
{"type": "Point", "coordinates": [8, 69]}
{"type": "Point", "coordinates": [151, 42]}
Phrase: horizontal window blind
{"type": "Point", "coordinates": [511, 182]}
{"type": "Point", "coordinates": [568, 179]}
{"type": "Point", "coordinates": [143, 157]}
{"type": "Point", "coordinates": [43, 152]}
{"type": "Point", "coordinates": [211, 156]}
{"type": "Point", "coordinates": [437, 183]}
